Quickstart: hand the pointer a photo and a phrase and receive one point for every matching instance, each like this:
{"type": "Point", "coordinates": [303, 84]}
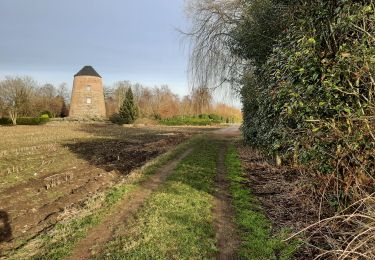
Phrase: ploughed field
{"type": "Point", "coordinates": [45, 170]}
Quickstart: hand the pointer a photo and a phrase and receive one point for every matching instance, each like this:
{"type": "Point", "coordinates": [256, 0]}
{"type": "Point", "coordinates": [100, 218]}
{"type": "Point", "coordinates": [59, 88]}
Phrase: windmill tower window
{"type": "Point", "coordinates": [88, 100]}
{"type": "Point", "coordinates": [88, 87]}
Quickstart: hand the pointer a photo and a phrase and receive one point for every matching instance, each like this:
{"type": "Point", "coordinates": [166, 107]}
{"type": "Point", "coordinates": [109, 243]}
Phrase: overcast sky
{"type": "Point", "coordinates": [134, 40]}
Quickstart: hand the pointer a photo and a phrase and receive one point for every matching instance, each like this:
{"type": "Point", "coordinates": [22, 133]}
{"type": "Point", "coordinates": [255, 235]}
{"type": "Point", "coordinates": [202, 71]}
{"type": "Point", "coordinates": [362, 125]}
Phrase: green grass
{"type": "Point", "coordinates": [59, 242]}
{"type": "Point", "coordinates": [176, 222]}
{"type": "Point", "coordinates": [188, 120]}
{"type": "Point", "coordinates": [254, 228]}
{"type": "Point", "coordinates": [25, 121]}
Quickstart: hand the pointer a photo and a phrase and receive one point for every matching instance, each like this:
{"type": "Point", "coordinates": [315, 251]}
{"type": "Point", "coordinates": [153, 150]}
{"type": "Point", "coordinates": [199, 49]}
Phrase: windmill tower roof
{"type": "Point", "coordinates": [87, 71]}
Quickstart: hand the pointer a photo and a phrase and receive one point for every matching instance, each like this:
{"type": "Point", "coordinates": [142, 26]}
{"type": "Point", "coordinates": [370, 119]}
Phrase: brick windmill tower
{"type": "Point", "coordinates": [87, 95]}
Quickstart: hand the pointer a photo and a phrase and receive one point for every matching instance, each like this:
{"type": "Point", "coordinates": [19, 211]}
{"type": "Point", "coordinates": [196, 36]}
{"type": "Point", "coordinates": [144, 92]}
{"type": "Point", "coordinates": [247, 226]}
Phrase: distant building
{"type": "Point", "coordinates": [87, 95]}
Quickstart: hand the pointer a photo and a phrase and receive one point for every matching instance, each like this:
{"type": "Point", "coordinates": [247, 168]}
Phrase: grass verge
{"type": "Point", "coordinates": [176, 222]}
{"type": "Point", "coordinates": [187, 120]}
{"type": "Point", "coordinates": [76, 222]}
{"type": "Point", "coordinates": [255, 230]}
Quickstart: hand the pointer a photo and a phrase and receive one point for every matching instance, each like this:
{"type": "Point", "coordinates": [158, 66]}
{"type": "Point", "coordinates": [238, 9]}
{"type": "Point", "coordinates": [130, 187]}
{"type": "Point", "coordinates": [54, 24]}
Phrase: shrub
{"type": "Point", "coordinates": [203, 116]}
{"type": "Point", "coordinates": [128, 110]}
{"type": "Point", "coordinates": [5, 121]}
{"type": "Point", "coordinates": [25, 120]}
{"type": "Point", "coordinates": [117, 119]}
{"type": "Point", "coordinates": [48, 113]}
{"type": "Point", "coordinates": [31, 120]}
{"type": "Point", "coordinates": [44, 116]}
{"type": "Point", "coordinates": [214, 117]}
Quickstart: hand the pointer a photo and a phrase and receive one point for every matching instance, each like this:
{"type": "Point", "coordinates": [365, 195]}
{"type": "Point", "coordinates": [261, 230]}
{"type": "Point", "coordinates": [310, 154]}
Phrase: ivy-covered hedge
{"type": "Point", "coordinates": [311, 101]}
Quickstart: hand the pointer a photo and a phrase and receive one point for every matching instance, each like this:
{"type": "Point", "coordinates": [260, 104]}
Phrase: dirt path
{"type": "Point", "coordinates": [223, 212]}
{"type": "Point", "coordinates": [99, 235]}
{"type": "Point", "coordinates": [233, 130]}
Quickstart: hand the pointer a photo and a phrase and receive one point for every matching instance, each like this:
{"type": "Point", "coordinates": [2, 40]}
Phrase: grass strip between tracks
{"type": "Point", "coordinates": [176, 221]}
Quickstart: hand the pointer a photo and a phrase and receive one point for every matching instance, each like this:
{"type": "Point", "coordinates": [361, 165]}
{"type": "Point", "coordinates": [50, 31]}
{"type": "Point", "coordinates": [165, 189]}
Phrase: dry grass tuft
{"type": "Point", "coordinates": [350, 234]}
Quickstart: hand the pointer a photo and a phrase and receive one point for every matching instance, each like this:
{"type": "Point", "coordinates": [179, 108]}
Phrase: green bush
{"type": "Point", "coordinates": [5, 121]}
{"type": "Point", "coordinates": [44, 116]}
{"type": "Point", "coordinates": [128, 110]}
{"type": "Point", "coordinates": [26, 120]}
{"type": "Point", "coordinates": [203, 116]}
{"type": "Point", "coordinates": [48, 113]}
{"type": "Point", "coordinates": [117, 119]}
{"type": "Point", "coordinates": [214, 117]}
{"type": "Point", "coordinates": [31, 120]}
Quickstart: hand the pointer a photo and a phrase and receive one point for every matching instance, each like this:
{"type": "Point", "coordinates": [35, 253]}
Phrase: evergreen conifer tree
{"type": "Point", "coordinates": [128, 111]}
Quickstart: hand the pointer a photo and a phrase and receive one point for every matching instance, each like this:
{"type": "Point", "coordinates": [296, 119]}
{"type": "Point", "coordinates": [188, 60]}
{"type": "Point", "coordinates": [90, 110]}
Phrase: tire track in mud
{"type": "Point", "coordinates": [98, 236]}
{"type": "Point", "coordinates": [30, 217]}
{"type": "Point", "coordinates": [223, 212]}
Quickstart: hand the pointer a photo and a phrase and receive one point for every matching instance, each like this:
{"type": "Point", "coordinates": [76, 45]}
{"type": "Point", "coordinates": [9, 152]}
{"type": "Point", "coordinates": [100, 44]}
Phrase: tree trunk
{"type": "Point", "coordinates": [13, 117]}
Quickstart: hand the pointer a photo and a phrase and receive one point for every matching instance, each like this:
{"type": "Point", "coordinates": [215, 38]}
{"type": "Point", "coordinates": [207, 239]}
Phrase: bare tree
{"type": "Point", "coordinates": [42, 99]}
{"type": "Point", "coordinates": [201, 100]}
{"type": "Point", "coordinates": [186, 107]}
{"type": "Point", "coordinates": [145, 102]}
{"type": "Point", "coordinates": [63, 92]}
{"type": "Point", "coordinates": [212, 64]}
{"type": "Point", "coordinates": [15, 93]}
{"type": "Point", "coordinates": [121, 87]}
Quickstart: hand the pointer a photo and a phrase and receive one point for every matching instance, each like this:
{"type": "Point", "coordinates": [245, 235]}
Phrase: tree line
{"type": "Point", "coordinates": [161, 103]}
{"type": "Point", "coordinates": [24, 97]}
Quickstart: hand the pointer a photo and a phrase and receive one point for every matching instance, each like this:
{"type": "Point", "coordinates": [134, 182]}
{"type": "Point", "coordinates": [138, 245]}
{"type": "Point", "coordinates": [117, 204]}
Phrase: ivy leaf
{"type": "Point", "coordinates": [316, 129]}
{"type": "Point", "coordinates": [312, 41]}
{"type": "Point", "coordinates": [347, 110]}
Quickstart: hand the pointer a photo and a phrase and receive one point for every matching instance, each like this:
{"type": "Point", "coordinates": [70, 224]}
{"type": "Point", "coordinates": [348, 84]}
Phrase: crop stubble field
{"type": "Point", "coordinates": [46, 169]}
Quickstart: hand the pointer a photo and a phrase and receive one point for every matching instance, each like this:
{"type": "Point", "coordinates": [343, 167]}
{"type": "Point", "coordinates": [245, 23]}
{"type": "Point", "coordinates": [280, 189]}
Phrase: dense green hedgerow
{"type": "Point", "coordinates": [311, 98]}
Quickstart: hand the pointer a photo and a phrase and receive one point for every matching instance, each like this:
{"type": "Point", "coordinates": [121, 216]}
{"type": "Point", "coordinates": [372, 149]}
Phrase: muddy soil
{"type": "Point", "coordinates": [29, 207]}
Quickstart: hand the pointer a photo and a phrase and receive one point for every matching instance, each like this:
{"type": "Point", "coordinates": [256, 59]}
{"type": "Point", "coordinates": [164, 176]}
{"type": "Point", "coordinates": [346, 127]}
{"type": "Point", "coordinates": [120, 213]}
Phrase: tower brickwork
{"type": "Point", "coordinates": [87, 95]}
